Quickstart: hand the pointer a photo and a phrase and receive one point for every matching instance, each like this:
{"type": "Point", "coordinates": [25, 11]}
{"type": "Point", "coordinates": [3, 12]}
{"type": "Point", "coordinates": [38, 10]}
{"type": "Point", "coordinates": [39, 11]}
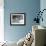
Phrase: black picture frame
{"type": "Point", "coordinates": [17, 19]}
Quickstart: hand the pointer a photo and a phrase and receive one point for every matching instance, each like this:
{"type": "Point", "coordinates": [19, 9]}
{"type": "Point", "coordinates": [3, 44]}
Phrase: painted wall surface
{"type": "Point", "coordinates": [43, 6]}
{"type": "Point", "coordinates": [1, 20]}
{"type": "Point", "coordinates": [30, 7]}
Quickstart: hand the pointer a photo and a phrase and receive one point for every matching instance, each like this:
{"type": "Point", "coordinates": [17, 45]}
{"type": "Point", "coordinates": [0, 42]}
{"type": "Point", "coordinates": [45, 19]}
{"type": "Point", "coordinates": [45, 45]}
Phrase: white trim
{"type": "Point", "coordinates": [1, 20]}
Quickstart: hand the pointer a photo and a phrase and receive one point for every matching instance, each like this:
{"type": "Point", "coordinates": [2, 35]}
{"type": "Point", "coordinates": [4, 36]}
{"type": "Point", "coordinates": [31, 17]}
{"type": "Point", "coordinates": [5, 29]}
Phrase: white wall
{"type": "Point", "coordinates": [1, 20]}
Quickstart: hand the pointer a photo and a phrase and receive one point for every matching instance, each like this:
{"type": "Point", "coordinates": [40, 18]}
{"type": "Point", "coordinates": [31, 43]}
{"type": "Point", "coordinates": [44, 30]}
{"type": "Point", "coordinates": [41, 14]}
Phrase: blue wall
{"type": "Point", "coordinates": [43, 6]}
{"type": "Point", "coordinates": [30, 7]}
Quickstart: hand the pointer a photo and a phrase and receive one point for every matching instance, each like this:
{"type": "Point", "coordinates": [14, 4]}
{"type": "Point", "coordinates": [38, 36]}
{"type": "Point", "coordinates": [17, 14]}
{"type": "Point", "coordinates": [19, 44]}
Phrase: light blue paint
{"type": "Point", "coordinates": [30, 7]}
{"type": "Point", "coordinates": [43, 6]}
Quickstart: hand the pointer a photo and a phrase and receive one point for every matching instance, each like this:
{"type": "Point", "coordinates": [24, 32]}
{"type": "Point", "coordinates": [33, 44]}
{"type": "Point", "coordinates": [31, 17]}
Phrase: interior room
{"type": "Point", "coordinates": [22, 23]}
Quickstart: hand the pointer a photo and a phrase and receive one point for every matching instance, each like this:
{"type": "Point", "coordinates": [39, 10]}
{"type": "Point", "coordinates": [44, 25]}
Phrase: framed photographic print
{"type": "Point", "coordinates": [17, 19]}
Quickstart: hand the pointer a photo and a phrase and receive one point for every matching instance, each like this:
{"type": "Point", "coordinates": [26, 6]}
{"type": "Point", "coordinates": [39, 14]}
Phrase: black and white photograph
{"type": "Point", "coordinates": [17, 18]}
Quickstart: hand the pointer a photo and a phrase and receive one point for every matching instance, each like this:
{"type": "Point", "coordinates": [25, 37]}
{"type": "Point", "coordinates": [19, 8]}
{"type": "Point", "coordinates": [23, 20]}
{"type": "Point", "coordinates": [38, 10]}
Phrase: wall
{"type": "Point", "coordinates": [43, 6]}
{"type": "Point", "coordinates": [1, 21]}
{"type": "Point", "coordinates": [30, 7]}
